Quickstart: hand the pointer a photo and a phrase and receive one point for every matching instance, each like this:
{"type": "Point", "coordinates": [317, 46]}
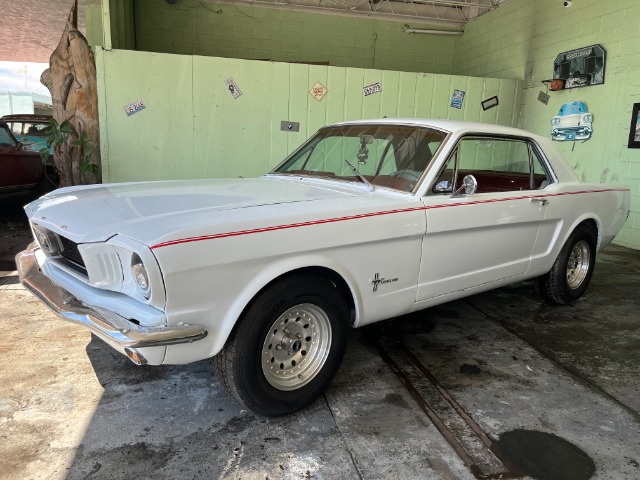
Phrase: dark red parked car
{"type": "Point", "coordinates": [21, 169]}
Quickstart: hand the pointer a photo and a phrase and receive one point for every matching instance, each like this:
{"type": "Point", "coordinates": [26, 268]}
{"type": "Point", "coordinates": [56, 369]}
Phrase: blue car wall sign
{"type": "Point", "coordinates": [573, 122]}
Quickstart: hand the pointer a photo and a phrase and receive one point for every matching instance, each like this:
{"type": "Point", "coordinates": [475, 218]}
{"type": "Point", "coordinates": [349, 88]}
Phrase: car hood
{"type": "Point", "coordinates": [149, 210]}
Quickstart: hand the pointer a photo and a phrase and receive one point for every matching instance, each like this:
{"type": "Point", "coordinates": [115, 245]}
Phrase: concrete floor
{"type": "Point", "coordinates": [440, 394]}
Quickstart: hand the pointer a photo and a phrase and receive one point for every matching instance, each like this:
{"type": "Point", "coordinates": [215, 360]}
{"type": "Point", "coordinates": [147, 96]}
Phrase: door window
{"type": "Point", "coordinates": [5, 138]}
{"type": "Point", "coordinates": [498, 164]}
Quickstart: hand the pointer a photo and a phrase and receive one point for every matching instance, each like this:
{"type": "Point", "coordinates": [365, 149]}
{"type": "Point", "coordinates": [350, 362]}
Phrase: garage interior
{"type": "Point", "coordinates": [498, 385]}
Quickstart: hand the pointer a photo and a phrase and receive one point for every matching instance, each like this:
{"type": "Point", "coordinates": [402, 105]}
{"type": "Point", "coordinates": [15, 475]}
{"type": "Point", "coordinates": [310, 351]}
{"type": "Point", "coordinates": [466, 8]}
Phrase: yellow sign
{"type": "Point", "coordinates": [318, 91]}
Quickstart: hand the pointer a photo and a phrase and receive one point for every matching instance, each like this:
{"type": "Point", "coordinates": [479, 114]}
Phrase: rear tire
{"type": "Point", "coordinates": [571, 273]}
{"type": "Point", "coordinates": [287, 346]}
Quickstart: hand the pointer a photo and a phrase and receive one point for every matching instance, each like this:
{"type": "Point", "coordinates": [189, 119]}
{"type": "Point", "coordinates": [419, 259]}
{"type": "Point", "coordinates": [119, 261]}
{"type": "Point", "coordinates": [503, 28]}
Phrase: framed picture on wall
{"type": "Point", "coordinates": [634, 129]}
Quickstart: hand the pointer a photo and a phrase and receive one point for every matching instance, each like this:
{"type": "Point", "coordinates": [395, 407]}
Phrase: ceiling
{"type": "Point", "coordinates": [442, 12]}
{"type": "Point", "coordinates": [31, 30]}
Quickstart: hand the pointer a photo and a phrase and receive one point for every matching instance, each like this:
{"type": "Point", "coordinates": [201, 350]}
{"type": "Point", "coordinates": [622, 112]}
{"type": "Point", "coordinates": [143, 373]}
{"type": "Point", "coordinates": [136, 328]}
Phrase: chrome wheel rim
{"type": "Point", "coordinates": [296, 347]}
{"type": "Point", "coordinates": [578, 264]}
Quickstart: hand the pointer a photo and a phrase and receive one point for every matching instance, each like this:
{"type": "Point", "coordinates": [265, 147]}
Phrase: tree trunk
{"type": "Point", "coordinates": [71, 79]}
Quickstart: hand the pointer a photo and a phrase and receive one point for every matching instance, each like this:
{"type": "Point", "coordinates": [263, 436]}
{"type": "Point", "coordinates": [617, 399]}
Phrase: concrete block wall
{"type": "Point", "coordinates": [522, 38]}
{"type": "Point", "coordinates": [254, 33]}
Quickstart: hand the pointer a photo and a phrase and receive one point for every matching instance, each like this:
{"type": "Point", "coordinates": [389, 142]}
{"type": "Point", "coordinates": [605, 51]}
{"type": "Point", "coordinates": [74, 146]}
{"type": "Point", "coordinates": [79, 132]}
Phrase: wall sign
{"type": "Point", "coordinates": [287, 126]}
{"type": "Point", "coordinates": [318, 91]}
{"type": "Point", "coordinates": [371, 89]}
{"type": "Point", "coordinates": [232, 87]}
{"type": "Point", "coordinates": [634, 129]}
{"type": "Point", "coordinates": [134, 107]}
{"type": "Point", "coordinates": [457, 99]}
{"type": "Point", "coordinates": [490, 103]}
{"type": "Point", "coordinates": [543, 97]}
{"type": "Point", "coordinates": [573, 122]}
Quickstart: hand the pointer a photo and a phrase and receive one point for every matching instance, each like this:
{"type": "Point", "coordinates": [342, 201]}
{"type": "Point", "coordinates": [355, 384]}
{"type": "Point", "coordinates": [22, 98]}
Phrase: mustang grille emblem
{"type": "Point", "coordinates": [378, 280]}
{"type": "Point", "coordinates": [47, 240]}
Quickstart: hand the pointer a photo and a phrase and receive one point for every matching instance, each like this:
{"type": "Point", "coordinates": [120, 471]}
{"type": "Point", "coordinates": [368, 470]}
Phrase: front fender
{"type": "Point", "coordinates": [221, 320]}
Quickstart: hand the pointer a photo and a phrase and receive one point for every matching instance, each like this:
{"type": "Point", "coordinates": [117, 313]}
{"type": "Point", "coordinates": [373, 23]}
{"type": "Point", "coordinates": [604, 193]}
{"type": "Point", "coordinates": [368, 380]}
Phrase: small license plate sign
{"type": "Point", "coordinates": [232, 87]}
{"type": "Point", "coordinates": [134, 107]}
{"type": "Point", "coordinates": [371, 89]}
{"type": "Point", "coordinates": [571, 135]}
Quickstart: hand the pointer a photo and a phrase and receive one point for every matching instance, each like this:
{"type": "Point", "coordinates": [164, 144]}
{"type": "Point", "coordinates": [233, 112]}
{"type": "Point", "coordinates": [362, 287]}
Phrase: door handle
{"type": "Point", "coordinates": [541, 201]}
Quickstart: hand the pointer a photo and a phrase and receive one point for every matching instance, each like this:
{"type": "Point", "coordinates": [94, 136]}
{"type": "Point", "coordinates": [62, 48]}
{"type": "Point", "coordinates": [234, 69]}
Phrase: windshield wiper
{"type": "Point", "coordinates": [360, 176]}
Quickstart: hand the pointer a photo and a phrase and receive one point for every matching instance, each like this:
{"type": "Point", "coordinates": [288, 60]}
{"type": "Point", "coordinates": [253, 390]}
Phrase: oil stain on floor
{"type": "Point", "coordinates": [544, 456]}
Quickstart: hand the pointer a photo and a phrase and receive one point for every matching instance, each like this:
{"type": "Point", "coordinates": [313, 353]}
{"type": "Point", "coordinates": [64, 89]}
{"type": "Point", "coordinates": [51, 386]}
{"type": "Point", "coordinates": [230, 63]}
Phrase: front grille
{"type": "Point", "coordinates": [62, 250]}
{"type": "Point", "coordinates": [70, 251]}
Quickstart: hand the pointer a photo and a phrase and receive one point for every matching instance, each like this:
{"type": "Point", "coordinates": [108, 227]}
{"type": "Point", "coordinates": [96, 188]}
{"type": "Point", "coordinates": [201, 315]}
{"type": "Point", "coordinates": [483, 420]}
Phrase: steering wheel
{"type": "Point", "coordinates": [407, 174]}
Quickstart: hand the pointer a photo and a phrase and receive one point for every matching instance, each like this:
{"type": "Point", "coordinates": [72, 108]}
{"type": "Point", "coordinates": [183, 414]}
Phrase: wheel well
{"type": "Point", "coordinates": [592, 225]}
{"type": "Point", "coordinates": [334, 277]}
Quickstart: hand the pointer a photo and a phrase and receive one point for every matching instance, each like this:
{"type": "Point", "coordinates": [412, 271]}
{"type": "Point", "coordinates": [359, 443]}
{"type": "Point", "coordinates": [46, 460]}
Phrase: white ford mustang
{"type": "Point", "coordinates": [366, 221]}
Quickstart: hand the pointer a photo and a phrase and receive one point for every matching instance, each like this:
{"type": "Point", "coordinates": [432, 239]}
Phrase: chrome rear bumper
{"type": "Point", "coordinates": [120, 333]}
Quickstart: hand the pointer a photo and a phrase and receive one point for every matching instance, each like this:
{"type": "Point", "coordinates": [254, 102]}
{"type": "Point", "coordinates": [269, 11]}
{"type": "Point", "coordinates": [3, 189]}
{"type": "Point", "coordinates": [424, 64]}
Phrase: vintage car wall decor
{"type": "Point", "coordinates": [573, 122]}
{"type": "Point", "coordinates": [366, 221]}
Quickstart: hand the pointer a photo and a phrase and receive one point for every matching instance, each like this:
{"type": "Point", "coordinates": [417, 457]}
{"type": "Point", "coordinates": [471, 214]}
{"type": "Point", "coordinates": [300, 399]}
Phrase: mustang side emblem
{"type": "Point", "coordinates": [377, 280]}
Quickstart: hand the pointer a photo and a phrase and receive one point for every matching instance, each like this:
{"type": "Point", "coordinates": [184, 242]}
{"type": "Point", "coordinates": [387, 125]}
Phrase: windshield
{"type": "Point", "coordinates": [390, 156]}
{"type": "Point", "coordinates": [35, 129]}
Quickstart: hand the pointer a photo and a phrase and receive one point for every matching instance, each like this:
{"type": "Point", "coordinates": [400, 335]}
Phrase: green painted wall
{"type": "Point", "coordinates": [193, 128]}
{"type": "Point", "coordinates": [93, 17]}
{"type": "Point", "coordinates": [224, 30]}
{"type": "Point", "coordinates": [522, 38]}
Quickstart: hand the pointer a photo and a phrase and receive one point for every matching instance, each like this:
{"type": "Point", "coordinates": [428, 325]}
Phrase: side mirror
{"type": "Point", "coordinates": [20, 146]}
{"type": "Point", "coordinates": [469, 186]}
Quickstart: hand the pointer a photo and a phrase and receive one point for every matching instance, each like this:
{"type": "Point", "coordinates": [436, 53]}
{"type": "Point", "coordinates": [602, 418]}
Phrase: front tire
{"type": "Point", "coordinates": [287, 346]}
{"type": "Point", "coordinates": [571, 273]}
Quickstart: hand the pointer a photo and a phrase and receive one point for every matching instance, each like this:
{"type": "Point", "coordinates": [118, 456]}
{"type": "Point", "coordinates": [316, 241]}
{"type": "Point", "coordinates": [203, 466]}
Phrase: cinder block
{"type": "Point", "coordinates": [262, 33]}
{"type": "Point", "coordinates": [628, 31]}
{"type": "Point", "coordinates": [272, 45]}
{"type": "Point", "coordinates": [292, 26]}
{"type": "Point", "coordinates": [242, 32]}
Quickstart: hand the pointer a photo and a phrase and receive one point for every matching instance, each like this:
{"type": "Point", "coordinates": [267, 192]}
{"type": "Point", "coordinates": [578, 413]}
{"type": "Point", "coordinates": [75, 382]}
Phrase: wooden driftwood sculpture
{"type": "Point", "coordinates": [71, 79]}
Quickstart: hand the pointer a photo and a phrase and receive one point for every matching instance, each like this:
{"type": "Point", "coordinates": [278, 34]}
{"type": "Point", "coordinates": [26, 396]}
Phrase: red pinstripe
{"type": "Point", "coordinates": [371, 214]}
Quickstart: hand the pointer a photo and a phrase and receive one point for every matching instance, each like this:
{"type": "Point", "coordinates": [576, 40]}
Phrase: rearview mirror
{"type": "Point", "coordinates": [366, 139]}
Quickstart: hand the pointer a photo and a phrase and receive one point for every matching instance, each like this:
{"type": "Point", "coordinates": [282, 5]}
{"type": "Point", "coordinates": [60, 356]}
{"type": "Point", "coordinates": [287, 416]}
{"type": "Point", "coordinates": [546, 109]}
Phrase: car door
{"type": "Point", "coordinates": [18, 167]}
{"type": "Point", "coordinates": [475, 239]}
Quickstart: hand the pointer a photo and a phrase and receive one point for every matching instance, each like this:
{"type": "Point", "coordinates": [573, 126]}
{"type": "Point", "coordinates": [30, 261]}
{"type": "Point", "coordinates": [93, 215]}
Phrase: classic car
{"type": "Point", "coordinates": [366, 221]}
{"type": "Point", "coordinates": [573, 122]}
{"type": "Point", "coordinates": [22, 169]}
{"type": "Point", "coordinates": [30, 130]}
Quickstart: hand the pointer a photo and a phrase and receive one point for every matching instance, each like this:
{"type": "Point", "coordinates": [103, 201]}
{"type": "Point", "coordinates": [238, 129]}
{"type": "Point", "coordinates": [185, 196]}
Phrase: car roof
{"type": "Point", "coordinates": [453, 126]}
{"type": "Point", "coordinates": [26, 117]}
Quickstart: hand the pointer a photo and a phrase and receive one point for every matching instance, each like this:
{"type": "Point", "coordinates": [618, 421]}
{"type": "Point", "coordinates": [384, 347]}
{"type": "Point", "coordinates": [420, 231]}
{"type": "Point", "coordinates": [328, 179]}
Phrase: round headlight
{"type": "Point", "coordinates": [140, 276]}
{"type": "Point", "coordinates": [588, 118]}
{"type": "Point", "coordinates": [555, 121]}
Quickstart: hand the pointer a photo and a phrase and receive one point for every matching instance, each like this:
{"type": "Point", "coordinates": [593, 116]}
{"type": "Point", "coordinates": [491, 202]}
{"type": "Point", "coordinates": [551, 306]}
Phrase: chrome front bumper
{"type": "Point", "coordinates": [120, 333]}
